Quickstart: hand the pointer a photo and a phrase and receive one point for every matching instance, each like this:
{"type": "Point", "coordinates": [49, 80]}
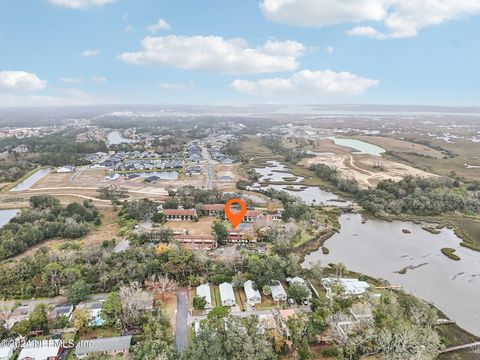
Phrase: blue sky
{"type": "Point", "coordinates": [76, 52]}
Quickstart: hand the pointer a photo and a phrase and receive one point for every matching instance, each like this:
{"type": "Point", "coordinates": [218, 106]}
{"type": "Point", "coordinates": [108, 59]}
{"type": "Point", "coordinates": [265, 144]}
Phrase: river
{"type": "Point", "coordinates": [380, 249]}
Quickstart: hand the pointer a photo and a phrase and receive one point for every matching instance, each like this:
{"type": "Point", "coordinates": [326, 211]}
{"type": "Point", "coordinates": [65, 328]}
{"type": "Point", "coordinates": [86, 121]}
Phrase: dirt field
{"type": "Point", "coordinates": [361, 168]}
{"type": "Point", "coordinates": [201, 227]}
{"type": "Point", "coordinates": [231, 170]}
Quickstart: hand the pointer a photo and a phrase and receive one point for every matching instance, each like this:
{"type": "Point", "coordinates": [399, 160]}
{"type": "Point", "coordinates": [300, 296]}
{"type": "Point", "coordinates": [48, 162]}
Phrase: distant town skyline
{"type": "Point", "coordinates": [88, 52]}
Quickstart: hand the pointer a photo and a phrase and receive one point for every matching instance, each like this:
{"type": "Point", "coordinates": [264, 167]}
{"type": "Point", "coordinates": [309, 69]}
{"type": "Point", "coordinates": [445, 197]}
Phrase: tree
{"type": "Point", "coordinates": [111, 311]}
{"type": "Point", "coordinates": [199, 302]}
{"type": "Point", "coordinates": [160, 285]}
{"type": "Point", "coordinates": [218, 312]}
{"type": "Point", "coordinates": [132, 298]}
{"type": "Point", "coordinates": [77, 292]}
{"type": "Point", "coordinates": [229, 338]}
{"type": "Point", "coordinates": [153, 349]}
{"type": "Point", "coordinates": [52, 275]}
{"type": "Point", "coordinates": [112, 192]}
{"type": "Point", "coordinates": [220, 232]}
{"type": "Point", "coordinates": [81, 319]}
{"type": "Point", "coordinates": [38, 318]}
{"type": "Point", "coordinates": [298, 292]}
{"type": "Point", "coordinates": [299, 330]}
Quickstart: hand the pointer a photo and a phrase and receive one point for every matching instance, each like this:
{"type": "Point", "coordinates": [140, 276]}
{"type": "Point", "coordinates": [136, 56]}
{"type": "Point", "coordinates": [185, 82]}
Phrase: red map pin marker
{"type": "Point", "coordinates": [235, 218]}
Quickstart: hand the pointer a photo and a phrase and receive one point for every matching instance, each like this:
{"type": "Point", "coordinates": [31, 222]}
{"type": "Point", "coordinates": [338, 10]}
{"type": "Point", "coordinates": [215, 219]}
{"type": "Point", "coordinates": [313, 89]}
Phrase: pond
{"type": "Point", "coordinates": [163, 175]}
{"type": "Point", "coordinates": [7, 215]}
{"type": "Point", "coordinates": [115, 138]}
{"type": "Point", "coordinates": [32, 179]}
{"type": "Point", "coordinates": [362, 147]}
{"type": "Point", "coordinates": [312, 195]}
{"type": "Point", "coordinates": [381, 249]}
{"type": "Point", "coordinates": [276, 172]}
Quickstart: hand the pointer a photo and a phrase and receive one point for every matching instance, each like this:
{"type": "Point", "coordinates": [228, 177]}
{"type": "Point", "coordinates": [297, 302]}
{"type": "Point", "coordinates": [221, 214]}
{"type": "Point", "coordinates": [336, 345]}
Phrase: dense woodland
{"type": "Point", "coordinates": [46, 219]}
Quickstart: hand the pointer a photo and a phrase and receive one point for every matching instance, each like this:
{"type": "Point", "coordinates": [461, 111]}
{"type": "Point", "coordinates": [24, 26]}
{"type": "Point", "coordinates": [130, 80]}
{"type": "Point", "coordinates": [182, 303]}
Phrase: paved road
{"type": "Point", "coordinates": [210, 163]}
{"type": "Point", "coordinates": [181, 323]}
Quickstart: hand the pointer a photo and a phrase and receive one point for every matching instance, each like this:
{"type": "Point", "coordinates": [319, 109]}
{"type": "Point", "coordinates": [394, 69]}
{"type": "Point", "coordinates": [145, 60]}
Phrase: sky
{"type": "Point", "coordinates": [87, 52]}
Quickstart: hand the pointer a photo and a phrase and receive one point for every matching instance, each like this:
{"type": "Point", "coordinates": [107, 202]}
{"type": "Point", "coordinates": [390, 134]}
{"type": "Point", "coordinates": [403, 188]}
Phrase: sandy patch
{"type": "Point", "coordinates": [365, 169]}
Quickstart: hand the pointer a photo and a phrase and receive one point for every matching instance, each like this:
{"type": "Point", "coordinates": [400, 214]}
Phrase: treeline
{"type": "Point", "coordinates": [294, 207]}
{"type": "Point", "coordinates": [56, 149]}
{"type": "Point", "coordinates": [47, 219]}
{"type": "Point", "coordinates": [275, 143]}
{"type": "Point", "coordinates": [330, 175]}
{"type": "Point", "coordinates": [419, 196]}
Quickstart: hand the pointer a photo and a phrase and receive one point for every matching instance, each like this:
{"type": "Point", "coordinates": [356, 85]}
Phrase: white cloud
{"type": "Point", "coordinates": [367, 31]}
{"type": "Point", "coordinates": [175, 86]}
{"type": "Point", "coordinates": [216, 54]}
{"type": "Point", "coordinates": [329, 50]}
{"type": "Point", "coordinates": [99, 79]}
{"type": "Point", "coordinates": [21, 81]}
{"type": "Point", "coordinates": [161, 24]}
{"type": "Point", "coordinates": [80, 4]}
{"type": "Point", "coordinates": [397, 18]}
{"type": "Point", "coordinates": [71, 80]}
{"type": "Point", "coordinates": [318, 13]}
{"type": "Point", "coordinates": [90, 53]}
{"type": "Point", "coordinates": [307, 83]}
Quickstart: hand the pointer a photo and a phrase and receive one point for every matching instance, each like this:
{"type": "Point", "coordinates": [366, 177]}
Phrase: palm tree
{"type": "Point", "coordinates": [160, 285]}
{"type": "Point", "coordinates": [340, 269]}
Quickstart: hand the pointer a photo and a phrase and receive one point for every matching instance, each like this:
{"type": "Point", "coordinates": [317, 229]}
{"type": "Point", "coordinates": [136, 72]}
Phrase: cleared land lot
{"type": "Point", "coordinates": [201, 227]}
{"type": "Point", "coordinates": [402, 146]}
{"type": "Point", "coordinates": [366, 170]}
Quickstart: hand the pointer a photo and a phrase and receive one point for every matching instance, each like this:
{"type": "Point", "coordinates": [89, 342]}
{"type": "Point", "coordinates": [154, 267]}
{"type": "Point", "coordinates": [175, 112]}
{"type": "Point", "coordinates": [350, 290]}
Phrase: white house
{"type": "Point", "coordinates": [6, 350]}
{"type": "Point", "coordinates": [278, 292]}
{"type": "Point", "coordinates": [350, 287]}
{"type": "Point", "coordinates": [253, 296]}
{"type": "Point", "coordinates": [66, 169]}
{"type": "Point", "coordinates": [112, 177]}
{"type": "Point", "coordinates": [41, 350]}
{"type": "Point", "coordinates": [204, 291]}
{"type": "Point", "coordinates": [226, 294]}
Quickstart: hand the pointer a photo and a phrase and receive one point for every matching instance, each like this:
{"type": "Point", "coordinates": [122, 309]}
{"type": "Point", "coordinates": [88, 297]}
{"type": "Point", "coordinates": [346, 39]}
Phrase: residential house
{"type": "Point", "coordinates": [250, 216]}
{"type": "Point", "coordinates": [180, 214]}
{"type": "Point", "coordinates": [227, 295]}
{"type": "Point", "coordinates": [204, 291]}
{"type": "Point", "coordinates": [114, 346]}
{"type": "Point", "coordinates": [41, 350]}
{"type": "Point", "coordinates": [196, 241]}
{"type": "Point", "coordinates": [62, 310]}
{"type": "Point", "coordinates": [253, 296]}
{"type": "Point", "coordinates": [213, 209]}
{"type": "Point", "coordinates": [19, 314]}
{"type": "Point", "coordinates": [278, 292]}
{"type": "Point", "coordinates": [350, 287]}
{"type": "Point", "coordinates": [66, 169]}
{"type": "Point", "coordinates": [94, 308]}
{"type": "Point", "coordinates": [299, 281]}
{"type": "Point", "coordinates": [6, 350]}
{"type": "Point", "coordinates": [193, 170]}
{"type": "Point", "coordinates": [112, 176]}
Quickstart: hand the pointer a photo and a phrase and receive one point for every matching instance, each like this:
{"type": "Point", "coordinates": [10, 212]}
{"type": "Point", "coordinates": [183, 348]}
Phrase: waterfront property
{"type": "Point", "coordinates": [348, 287]}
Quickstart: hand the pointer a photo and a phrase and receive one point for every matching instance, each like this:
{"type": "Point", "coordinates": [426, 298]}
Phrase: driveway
{"type": "Point", "coordinates": [181, 324]}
